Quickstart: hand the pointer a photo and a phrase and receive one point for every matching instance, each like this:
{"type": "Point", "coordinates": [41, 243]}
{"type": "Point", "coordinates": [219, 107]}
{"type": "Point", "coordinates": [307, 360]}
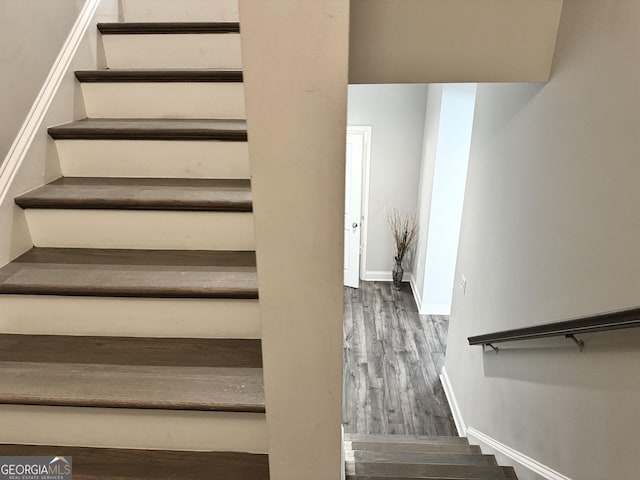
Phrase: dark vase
{"type": "Point", "coordinates": [397, 273]}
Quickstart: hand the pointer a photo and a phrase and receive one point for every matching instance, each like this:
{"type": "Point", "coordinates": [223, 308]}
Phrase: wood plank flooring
{"type": "Point", "coordinates": [392, 361]}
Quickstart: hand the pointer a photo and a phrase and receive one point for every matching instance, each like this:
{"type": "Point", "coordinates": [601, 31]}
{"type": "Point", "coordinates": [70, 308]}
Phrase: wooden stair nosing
{"type": "Point", "coordinates": [396, 477]}
{"type": "Point", "coordinates": [174, 352]}
{"type": "Point", "coordinates": [151, 129]}
{"type": "Point", "coordinates": [131, 273]}
{"type": "Point", "coordinates": [141, 194]}
{"type": "Point", "coordinates": [415, 447]}
{"type": "Point", "coordinates": [509, 473]}
{"type": "Point", "coordinates": [426, 471]}
{"type": "Point", "coordinates": [132, 387]}
{"type": "Point", "coordinates": [159, 76]}
{"type": "Point", "coordinates": [167, 28]}
{"type": "Point", "coordinates": [424, 457]}
{"type": "Point", "coordinates": [415, 439]}
{"type": "Point", "coordinates": [129, 464]}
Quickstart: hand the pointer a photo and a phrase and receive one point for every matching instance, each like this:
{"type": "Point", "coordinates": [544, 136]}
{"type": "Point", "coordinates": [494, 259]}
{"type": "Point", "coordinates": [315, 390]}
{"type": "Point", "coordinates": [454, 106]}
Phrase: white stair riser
{"type": "Point", "coordinates": [133, 428]}
{"type": "Point", "coordinates": [180, 11]}
{"type": "Point", "coordinates": [153, 158]}
{"type": "Point", "coordinates": [129, 317]}
{"type": "Point", "coordinates": [141, 229]}
{"type": "Point", "coordinates": [164, 100]}
{"type": "Point", "coordinates": [173, 51]}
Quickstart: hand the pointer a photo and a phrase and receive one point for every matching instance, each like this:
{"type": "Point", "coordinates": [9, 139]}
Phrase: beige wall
{"type": "Point", "coordinates": [551, 229]}
{"type": "Point", "coordinates": [432, 41]}
{"type": "Point", "coordinates": [31, 35]}
{"type": "Point", "coordinates": [295, 67]}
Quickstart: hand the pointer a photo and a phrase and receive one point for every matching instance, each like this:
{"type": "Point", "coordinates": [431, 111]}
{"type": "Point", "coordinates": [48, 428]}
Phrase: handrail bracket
{"type": "Point", "coordinates": [495, 349]}
{"type": "Point", "coordinates": [579, 342]}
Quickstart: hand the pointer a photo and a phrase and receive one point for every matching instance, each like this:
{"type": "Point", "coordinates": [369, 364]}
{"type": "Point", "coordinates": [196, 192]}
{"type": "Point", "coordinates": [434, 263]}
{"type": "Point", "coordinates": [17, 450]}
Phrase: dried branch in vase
{"type": "Point", "coordinates": [404, 229]}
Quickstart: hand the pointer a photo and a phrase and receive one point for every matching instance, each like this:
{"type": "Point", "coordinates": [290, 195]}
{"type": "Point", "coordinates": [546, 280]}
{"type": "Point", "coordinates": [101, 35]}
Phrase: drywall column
{"type": "Point", "coordinates": [295, 72]}
{"type": "Point", "coordinates": [429, 149]}
{"type": "Point", "coordinates": [449, 177]}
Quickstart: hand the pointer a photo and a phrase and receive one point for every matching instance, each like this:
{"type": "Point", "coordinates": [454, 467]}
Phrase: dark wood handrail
{"type": "Point", "coordinates": [629, 318]}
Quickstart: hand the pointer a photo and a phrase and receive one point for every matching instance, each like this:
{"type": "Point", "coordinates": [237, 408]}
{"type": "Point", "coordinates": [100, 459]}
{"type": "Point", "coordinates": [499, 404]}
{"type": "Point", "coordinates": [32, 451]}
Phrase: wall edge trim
{"type": "Point", "coordinates": [20, 146]}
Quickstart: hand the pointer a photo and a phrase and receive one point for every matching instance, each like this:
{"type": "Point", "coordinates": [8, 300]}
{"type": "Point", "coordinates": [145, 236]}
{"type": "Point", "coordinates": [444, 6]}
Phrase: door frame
{"type": "Point", "coordinates": [365, 131]}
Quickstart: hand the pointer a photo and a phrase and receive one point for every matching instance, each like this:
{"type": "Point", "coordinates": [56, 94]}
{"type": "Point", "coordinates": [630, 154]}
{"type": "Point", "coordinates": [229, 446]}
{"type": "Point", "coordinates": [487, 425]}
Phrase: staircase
{"type": "Point", "coordinates": [130, 332]}
{"type": "Point", "coordinates": [400, 457]}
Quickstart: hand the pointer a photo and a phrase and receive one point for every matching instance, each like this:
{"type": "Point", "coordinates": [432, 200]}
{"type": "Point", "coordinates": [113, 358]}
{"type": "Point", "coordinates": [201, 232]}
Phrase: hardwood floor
{"type": "Point", "coordinates": [392, 361]}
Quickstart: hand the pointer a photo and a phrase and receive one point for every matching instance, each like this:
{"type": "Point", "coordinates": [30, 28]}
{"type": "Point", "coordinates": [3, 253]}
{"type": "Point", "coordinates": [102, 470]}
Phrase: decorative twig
{"type": "Point", "coordinates": [404, 230]}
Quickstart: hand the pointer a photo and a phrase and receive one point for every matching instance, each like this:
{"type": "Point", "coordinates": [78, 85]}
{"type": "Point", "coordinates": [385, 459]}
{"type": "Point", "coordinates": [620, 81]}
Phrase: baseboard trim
{"type": "Point", "coordinates": [516, 459]}
{"type": "Point", "coordinates": [453, 403]}
{"type": "Point", "coordinates": [515, 456]}
{"type": "Point", "coordinates": [382, 276]}
{"type": "Point", "coordinates": [416, 294]}
{"type": "Point", "coordinates": [18, 151]}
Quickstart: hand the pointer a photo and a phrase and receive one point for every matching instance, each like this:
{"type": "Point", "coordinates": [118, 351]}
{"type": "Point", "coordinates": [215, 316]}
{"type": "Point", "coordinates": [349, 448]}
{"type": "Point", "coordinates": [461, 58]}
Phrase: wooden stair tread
{"type": "Point", "coordinates": [174, 352]}
{"type": "Point", "coordinates": [141, 194]}
{"type": "Point", "coordinates": [424, 457]}
{"type": "Point", "coordinates": [509, 473]}
{"type": "Point", "coordinates": [145, 28]}
{"type": "Point", "coordinates": [414, 447]}
{"type": "Point", "coordinates": [151, 129]}
{"type": "Point", "coordinates": [131, 273]}
{"type": "Point", "coordinates": [409, 439]}
{"type": "Point", "coordinates": [159, 75]}
{"type": "Point", "coordinates": [128, 464]}
{"type": "Point", "coordinates": [132, 386]}
{"type": "Point", "coordinates": [424, 471]}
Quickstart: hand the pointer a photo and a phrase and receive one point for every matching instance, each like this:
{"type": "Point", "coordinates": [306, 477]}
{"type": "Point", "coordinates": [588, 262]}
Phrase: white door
{"type": "Point", "coordinates": [353, 208]}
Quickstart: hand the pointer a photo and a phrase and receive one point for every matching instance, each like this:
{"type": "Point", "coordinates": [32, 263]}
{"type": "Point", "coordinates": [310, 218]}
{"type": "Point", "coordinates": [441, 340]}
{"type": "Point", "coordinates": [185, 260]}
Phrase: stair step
{"type": "Point", "coordinates": [179, 45]}
{"type": "Point", "coordinates": [131, 273]}
{"type": "Point", "coordinates": [164, 28]}
{"type": "Point", "coordinates": [396, 477]}
{"type": "Point", "coordinates": [408, 439]}
{"type": "Point", "coordinates": [389, 447]}
{"type": "Point", "coordinates": [143, 428]}
{"type": "Point", "coordinates": [390, 471]}
{"type": "Point", "coordinates": [132, 386]}
{"type": "Point", "coordinates": [187, 94]}
{"type": "Point", "coordinates": [509, 473]}
{"type": "Point", "coordinates": [141, 194]}
{"type": "Point", "coordinates": [159, 76]}
{"type": "Point", "coordinates": [422, 457]}
{"type": "Point", "coordinates": [128, 464]}
{"type": "Point", "coordinates": [157, 159]}
{"type": "Point", "coordinates": [151, 129]}
{"type": "Point", "coordinates": [141, 351]}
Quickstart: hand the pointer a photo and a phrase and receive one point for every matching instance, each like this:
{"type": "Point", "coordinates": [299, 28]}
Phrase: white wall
{"type": "Point", "coordinates": [31, 35]}
{"type": "Point", "coordinates": [447, 195]}
{"type": "Point", "coordinates": [551, 229]}
{"type": "Point", "coordinates": [425, 188]}
{"type": "Point", "coordinates": [396, 114]}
